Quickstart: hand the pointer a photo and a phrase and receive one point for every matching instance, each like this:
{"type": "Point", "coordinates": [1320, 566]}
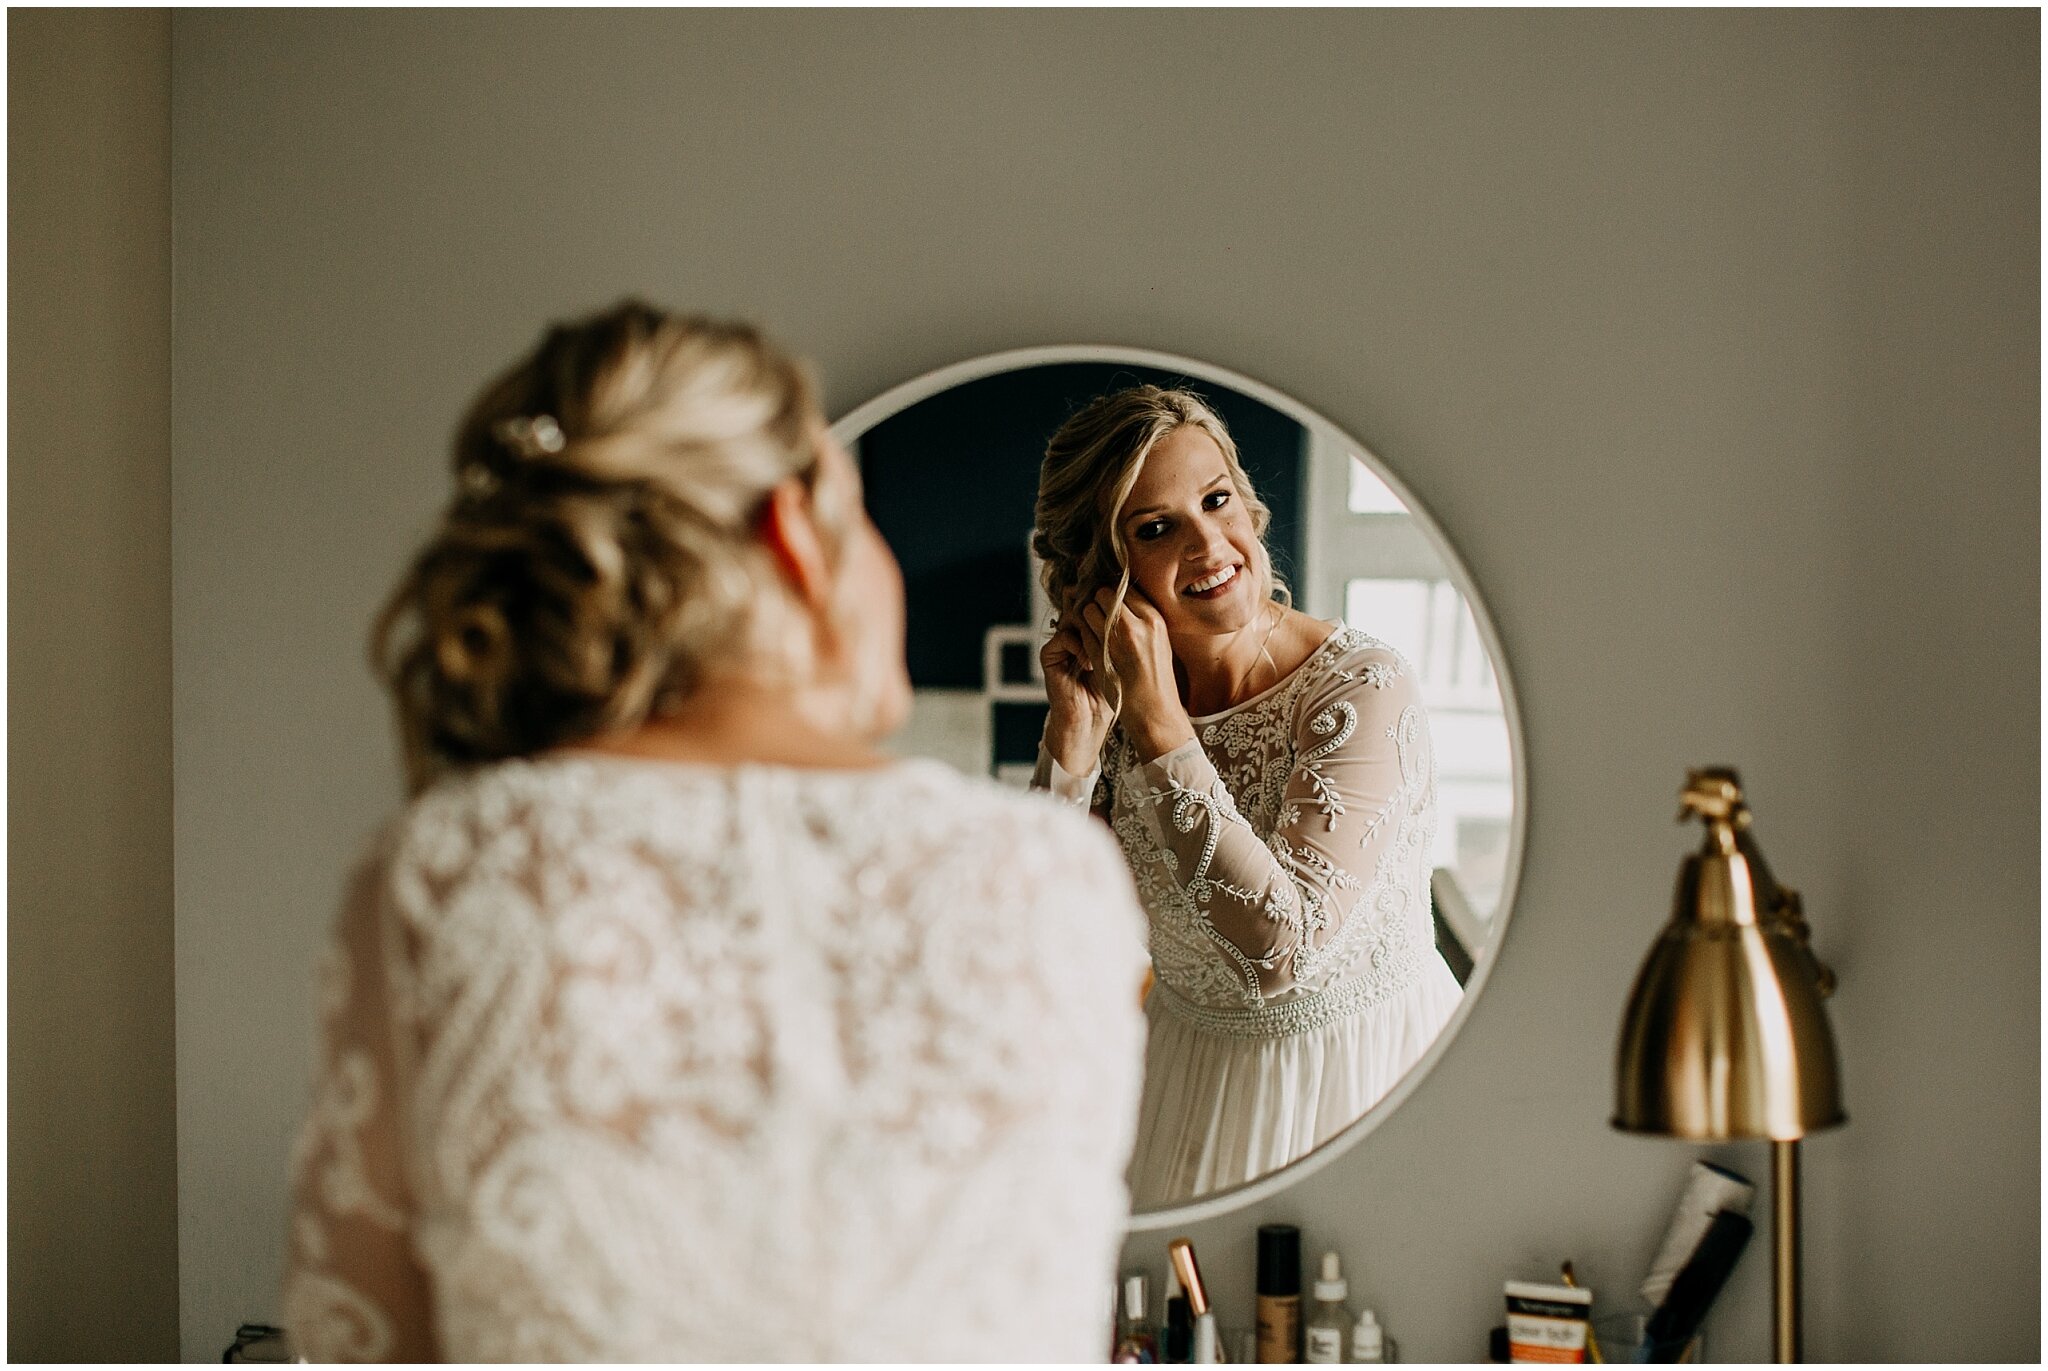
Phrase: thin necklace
{"type": "Point", "coordinates": [1244, 692]}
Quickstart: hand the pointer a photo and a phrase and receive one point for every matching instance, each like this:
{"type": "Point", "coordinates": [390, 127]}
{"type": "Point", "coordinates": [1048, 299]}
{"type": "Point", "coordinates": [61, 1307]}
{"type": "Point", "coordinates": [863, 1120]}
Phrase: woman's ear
{"type": "Point", "coordinates": [789, 529]}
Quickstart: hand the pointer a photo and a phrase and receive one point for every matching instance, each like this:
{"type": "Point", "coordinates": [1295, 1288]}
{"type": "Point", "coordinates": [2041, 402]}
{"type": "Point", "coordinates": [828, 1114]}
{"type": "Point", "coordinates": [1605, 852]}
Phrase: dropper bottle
{"type": "Point", "coordinates": [1329, 1322]}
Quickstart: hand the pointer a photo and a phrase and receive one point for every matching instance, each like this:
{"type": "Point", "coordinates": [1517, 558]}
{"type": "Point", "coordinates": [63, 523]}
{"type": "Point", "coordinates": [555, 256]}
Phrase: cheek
{"type": "Point", "coordinates": [872, 584]}
{"type": "Point", "coordinates": [884, 579]}
{"type": "Point", "coordinates": [1152, 566]}
{"type": "Point", "coordinates": [1246, 540]}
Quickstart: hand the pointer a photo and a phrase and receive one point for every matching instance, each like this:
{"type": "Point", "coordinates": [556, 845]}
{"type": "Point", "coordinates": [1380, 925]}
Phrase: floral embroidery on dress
{"type": "Point", "coordinates": [1335, 726]}
{"type": "Point", "coordinates": [689, 1030]}
{"type": "Point", "coordinates": [1330, 781]}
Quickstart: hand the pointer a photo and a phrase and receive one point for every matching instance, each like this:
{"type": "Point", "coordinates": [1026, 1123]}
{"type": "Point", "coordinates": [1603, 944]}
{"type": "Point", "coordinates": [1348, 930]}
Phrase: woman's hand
{"type": "Point", "coordinates": [1074, 687]}
{"type": "Point", "coordinates": [1142, 656]}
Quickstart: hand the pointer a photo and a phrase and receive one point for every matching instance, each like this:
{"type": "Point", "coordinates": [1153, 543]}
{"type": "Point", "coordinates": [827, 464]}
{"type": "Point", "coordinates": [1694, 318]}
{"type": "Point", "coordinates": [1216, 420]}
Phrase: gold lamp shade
{"type": "Point", "coordinates": [1725, 1035]}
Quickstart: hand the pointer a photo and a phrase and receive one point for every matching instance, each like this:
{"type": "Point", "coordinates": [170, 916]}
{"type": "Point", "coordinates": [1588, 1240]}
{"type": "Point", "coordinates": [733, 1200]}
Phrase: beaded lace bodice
{"type": "Point", "coordinates": [629, 1061]}
{"type": "Point", "coordinates": [1283, 858]}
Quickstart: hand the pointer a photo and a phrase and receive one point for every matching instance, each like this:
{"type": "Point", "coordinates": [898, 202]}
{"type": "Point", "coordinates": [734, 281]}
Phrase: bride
{"type": "Point", "coordinates": [670, 1021]}
{"type": "Point", "coordinates": [1270, 779]}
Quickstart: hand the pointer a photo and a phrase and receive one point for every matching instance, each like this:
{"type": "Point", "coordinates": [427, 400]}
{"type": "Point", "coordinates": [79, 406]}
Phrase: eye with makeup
{"type": "Point", "coordinates": [1156, 528]}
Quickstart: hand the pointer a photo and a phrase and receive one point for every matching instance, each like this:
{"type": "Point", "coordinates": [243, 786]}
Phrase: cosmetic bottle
{"type": "Point", "coordinates": [1279, 1293]}
{"type": "Point", "coordinates": [1134, 1342]}
{"type": "Point", "coordinates": [1208, 1349]}
{"type": "Point", "coordinates": [1329, 1323]}
{"type": "Point", "coordinates": [1177, 1334]}
{"type": "Point", "coordinates": [1368, 1339]}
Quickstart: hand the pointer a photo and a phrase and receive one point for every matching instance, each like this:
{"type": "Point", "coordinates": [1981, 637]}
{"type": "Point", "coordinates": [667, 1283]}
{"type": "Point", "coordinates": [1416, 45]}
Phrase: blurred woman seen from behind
{"type": "Point", "coordinates": [669, 1020]}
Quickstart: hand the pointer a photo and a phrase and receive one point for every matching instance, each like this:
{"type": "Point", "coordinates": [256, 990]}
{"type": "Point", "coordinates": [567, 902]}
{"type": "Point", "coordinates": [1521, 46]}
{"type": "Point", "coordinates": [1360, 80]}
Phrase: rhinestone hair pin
{"type": "Point", "coordinates": [531, 437]}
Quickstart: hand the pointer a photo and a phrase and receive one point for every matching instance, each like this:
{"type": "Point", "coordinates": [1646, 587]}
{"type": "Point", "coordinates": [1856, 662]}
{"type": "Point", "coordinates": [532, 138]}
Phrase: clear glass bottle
{"type": "Point", "coordinates": [1369, 1340]}
{"type": "Point", "coordinates": [1135, 1343]}
{"type": "Point", "coordinates": [1329, 1320]}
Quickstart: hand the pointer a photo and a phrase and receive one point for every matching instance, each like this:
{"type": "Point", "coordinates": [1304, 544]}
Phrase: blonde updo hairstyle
{"type": "Point", "coordinates": [599, 555]}
{"type": "Point", "coordinates": [1091, 466]}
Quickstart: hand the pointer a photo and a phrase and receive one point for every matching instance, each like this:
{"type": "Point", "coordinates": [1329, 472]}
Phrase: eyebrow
{"type": "Point", "coordinates": [1224, 479]}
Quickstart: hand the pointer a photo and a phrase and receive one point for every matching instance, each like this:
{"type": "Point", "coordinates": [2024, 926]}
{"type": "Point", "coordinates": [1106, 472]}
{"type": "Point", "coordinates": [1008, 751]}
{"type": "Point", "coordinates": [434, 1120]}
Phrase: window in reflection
{"type": "Point", "coordinates": [1431, 625]}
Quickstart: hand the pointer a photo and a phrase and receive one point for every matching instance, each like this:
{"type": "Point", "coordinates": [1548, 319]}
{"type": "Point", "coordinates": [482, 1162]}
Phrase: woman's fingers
{"type": "Point", "coordinates": [1088, 646]}
{"type": "Point", "coordinates": [1136, 603]}
{"type": "Point", "coordinates": [1139, 606]}
{"type": "Point", "coordinates": [1074, 648]}
{"type": "Point", "coordinates": [1097, 610]}
{"type": "Point", "coordinates": [1089, 639]}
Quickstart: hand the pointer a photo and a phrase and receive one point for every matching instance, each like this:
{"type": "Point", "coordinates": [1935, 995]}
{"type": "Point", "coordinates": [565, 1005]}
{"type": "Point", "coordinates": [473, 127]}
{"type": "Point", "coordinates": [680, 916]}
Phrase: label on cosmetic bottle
{"type": "Point", "coordinates": [1279, 1328]}
{"type": "Point", "coordinates": [1547, 1323]}
{"type": "Point", "coordinates": [1325, 1344]}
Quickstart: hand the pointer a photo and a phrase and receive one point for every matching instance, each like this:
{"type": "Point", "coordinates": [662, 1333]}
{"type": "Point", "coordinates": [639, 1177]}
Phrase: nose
{"type": "Point", "coordinates": [1206, 541]}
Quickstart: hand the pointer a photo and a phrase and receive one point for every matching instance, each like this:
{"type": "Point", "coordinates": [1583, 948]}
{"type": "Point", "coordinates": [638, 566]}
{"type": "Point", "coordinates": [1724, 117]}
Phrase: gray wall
{"type": "Point", "coordinates": [1710, 338]}
{"type": "Point", "coordinates": [91, 1171]}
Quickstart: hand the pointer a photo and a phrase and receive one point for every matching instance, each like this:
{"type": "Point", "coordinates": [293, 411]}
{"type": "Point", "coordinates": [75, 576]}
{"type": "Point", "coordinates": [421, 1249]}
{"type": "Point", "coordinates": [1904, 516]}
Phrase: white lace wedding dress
{"type": "Point", "coordinates": [639, 1061]}
{"type": "Point", "coordinates": [1284, 861]}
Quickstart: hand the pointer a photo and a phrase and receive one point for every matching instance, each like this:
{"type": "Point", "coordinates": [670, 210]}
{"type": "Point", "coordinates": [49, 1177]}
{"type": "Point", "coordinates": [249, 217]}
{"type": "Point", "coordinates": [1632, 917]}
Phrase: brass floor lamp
{"type": "Point", "coordinates": [1725, 1036]}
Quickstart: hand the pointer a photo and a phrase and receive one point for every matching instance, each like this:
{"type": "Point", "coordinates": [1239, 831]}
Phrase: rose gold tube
{"type": "Point", "coordinates": [1181, 1253]}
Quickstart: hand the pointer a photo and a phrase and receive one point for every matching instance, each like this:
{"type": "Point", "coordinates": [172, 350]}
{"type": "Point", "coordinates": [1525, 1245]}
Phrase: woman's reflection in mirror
{"type": "Point", "coordinates": [668, 1005]}
{"type": "Point", "coordinates": [1270, 779]}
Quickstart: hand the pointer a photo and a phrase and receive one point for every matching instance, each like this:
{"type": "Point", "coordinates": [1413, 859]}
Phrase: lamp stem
{"type": "Point", "coordinates": [1785, 1251]}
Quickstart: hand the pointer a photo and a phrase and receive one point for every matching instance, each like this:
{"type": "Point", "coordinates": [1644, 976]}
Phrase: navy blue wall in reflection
{"type": "Point", "coordinates": [951, 482]}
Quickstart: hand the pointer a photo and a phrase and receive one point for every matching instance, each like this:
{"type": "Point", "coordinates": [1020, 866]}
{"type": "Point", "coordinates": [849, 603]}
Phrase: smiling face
{"type": "Point", "coordinates": [1189, 541]}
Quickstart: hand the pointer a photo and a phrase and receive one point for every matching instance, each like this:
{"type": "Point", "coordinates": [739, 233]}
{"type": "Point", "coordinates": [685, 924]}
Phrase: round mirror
{"type": "Point", "coordinates": [1328, 856]}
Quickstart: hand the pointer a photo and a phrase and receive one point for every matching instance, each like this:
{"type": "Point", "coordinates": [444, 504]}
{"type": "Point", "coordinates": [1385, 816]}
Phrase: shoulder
{"type": "Point", "coordinates": [1354, 668]}
{"type": "Point", "coordinates": [524, 825]}
{"type": "Point", "coordinates": [1013, 881]}
{"type": "Point", "coordinates": [985, 817]}
{"type": "Point", "coordinates": [1058, 856]}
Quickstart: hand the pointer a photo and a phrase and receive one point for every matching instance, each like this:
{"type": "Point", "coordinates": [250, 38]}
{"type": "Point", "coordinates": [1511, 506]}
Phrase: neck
{"type": "Point", "coordinates": [735, 722]}
{"type": "Point", "coordinates": [1228, 668]}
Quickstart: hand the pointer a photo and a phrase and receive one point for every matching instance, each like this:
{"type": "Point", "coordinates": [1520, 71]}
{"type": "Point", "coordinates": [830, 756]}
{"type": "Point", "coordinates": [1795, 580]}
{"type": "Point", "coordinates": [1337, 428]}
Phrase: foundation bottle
{"type": "Point", "coordinates": [1279, 1293]}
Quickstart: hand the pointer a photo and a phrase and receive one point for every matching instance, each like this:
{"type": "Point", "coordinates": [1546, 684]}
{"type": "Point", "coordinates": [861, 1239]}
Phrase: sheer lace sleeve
{"type": "Point", "coordinates": [354, 1290]}
{"type": "Point", "coordinates": [1077, 792]}
{"type": "Point", "coordinates": [1278, 908]}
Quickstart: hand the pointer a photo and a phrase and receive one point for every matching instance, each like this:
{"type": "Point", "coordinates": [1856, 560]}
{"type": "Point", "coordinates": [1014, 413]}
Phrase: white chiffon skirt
{"type": "Point", "coordinates": [1220, 1109]}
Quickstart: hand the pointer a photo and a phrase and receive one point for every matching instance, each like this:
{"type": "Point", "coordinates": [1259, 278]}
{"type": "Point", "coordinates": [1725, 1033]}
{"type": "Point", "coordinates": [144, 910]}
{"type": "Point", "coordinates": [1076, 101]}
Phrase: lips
{"type": "Point", "coordinates": [1215, 584]}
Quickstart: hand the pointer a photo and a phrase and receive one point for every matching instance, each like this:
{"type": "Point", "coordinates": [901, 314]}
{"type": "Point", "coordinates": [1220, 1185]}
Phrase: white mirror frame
{"type": "Point", "coordinates": [901, 397]}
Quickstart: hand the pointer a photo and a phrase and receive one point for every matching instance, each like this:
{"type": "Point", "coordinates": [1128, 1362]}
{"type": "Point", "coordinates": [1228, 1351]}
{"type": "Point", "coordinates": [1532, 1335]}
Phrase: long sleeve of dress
{"type": "Point", "coordinates": [1069, 789]}
{"type": "Point", "coordinates": [1293, 910]}
{"type": "Point", "coordinates": [354, 1290]}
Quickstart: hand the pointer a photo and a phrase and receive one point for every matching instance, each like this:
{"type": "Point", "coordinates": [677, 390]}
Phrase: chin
{"type": "Point", "coordinates": [1228, 615]}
